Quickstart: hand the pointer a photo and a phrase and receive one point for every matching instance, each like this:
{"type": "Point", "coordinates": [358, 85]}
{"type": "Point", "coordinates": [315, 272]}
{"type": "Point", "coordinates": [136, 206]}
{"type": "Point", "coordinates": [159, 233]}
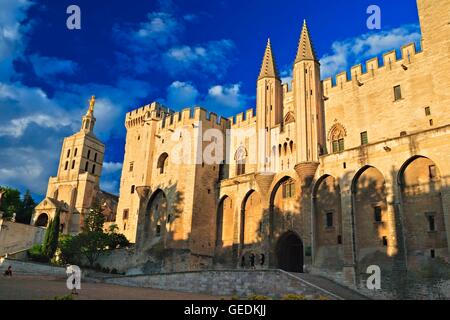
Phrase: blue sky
{"type": "Point", "coordinates": [180, 53]}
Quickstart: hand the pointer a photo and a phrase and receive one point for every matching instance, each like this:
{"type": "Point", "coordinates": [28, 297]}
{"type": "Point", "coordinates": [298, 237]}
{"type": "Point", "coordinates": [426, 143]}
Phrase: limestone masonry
{"type": "Point", "coordinates": [326, 176]}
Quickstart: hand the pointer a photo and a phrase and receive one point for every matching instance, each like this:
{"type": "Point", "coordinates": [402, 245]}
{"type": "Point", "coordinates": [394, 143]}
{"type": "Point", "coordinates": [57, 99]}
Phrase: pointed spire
{"type": "Point", "coordinates": [268, 67]}
{"type": "Point", "coordinates": [305, 49]}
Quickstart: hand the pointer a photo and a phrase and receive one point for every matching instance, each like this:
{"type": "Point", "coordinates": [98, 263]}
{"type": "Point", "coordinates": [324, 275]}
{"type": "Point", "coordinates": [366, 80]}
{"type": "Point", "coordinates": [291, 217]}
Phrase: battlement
{"type": "Point", "coordinates": [168, 118]}
{"type": "Point", "coordinates": [358, 75]}
{"type": "Point", "coordinates": [243, 119]}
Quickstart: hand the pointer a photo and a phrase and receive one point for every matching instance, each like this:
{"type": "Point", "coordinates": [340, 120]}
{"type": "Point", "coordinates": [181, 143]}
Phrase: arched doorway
{"type": "Point", "coordinates": [289, 251]}
{"type": "Point", "coordinates": [42, 220]}
{"type": "Point", "coordinates": [156, 219]}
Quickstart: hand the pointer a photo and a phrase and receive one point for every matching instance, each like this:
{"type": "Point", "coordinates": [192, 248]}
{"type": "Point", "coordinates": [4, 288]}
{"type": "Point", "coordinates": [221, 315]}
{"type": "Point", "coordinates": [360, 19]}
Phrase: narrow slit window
{"type": "Point", "coordinates": [377, 212]}
{"type": "Point", "coordinates": [329, 219]}
{"type": "Point", "coordinates": [397, 93]}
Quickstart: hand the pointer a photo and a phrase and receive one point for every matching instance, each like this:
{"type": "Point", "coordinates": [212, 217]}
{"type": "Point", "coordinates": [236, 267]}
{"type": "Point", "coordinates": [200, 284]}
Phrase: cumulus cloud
{"type": "Point", "coordinates": [212, 58]}
{"type": "Point", "coordinates": [109, 167]}
{"type": "Point", "coordinates": [181, 95]}
{"type": "Point", "coordinates": [225, 97]}
{"type": "Point", "coordinates": [356, 50]}
{"type": "Point", "coordinates": [184, 94]}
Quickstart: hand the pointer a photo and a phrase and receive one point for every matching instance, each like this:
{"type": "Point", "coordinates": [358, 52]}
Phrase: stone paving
{"type": "Point", "coordinates": [21, 287]}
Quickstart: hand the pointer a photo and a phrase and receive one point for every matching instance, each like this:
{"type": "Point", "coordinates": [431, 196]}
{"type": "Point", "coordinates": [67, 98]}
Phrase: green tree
{"type": "Point", "coordinates": [51, 236]}
{"type": "Point", "coordinates": [95, 219]}
{"type": "Point", "coordinates": [26, 210]}
{"type": "Point", "coordinates": [11, 202]}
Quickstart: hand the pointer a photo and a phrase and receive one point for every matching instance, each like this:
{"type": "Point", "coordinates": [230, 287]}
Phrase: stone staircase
{"type": "Point", "coordinates": [338, 291]}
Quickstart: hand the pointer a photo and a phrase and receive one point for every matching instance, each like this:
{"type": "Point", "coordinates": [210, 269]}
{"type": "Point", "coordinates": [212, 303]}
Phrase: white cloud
{"type": "Point", "coordinates": [350, 52]}
{"type": "Point", "coordinates": [110, 167]}
{"type": "Point", "coordinates": [212, 58]}
{"type": "Point", "coordinates": [50, 66]}
{"type": "Point", "coordinates": [181, 95]}
{"type": "Point", "coordinates": [12, 13]}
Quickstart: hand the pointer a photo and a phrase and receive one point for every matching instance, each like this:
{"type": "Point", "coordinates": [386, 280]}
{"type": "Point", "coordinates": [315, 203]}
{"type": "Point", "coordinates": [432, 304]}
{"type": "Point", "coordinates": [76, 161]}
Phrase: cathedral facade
{"type": "Point", "coordinates": [327, 176]}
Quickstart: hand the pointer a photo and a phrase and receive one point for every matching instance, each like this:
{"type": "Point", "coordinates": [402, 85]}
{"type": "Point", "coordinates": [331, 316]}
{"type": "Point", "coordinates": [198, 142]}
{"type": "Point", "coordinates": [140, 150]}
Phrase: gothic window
{"type": "Point", "coordinates": [89, 154]}
{"type": "Point", "coordinates": [163, 162]}
{"type": "Point", "coordinates": [336, 137]}
{"type": "Point", "coordinates": [240, 157]}
{"type": "Point", "coordinates": [132, 189]}
{"type": "Point", "coordinates": [93, 169]}
{"type": "Point", "coordinates": [73, 164]}
{"type": "Point", "coordinates": [67, 165]}
{"type": "Point", "coordinates": [68, 153]}
{"type": "Point", "coordinates": [95, 157]}
{"type": "Point", "coordinates": [86, 167]}
{"type": "Point", "coordinates": [75, 153]}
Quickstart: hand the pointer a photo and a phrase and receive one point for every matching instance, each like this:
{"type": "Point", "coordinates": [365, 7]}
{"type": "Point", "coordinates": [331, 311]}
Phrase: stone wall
{"type": "Point", "coordinates": [31, 268]}
{"type": "Point", "coordinates": [271, 283]}
{"type": "Point", "coordinates": [17, 236]}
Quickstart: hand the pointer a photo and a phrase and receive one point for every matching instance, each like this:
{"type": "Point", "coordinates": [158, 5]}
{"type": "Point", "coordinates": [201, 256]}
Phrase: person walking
{"type": "Point", "coordinates": [8, 272]}
{"type": "Point", "coordinates": [262, 260]}
{"type": "Point", "coordinates": [252, 261]}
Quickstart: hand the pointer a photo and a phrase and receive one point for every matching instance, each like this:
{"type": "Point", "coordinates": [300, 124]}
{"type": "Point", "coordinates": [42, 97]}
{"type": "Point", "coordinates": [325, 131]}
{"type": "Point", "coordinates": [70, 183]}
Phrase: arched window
{"type": "Point", "coordinates": [93, 169]}
{"type": "Point", "coordinates": [133, 187]}
{"type": "Point", "coordinates": [75, 153]}
{"type": "Point", "coordinates": [291, 146]}
{"type": "Point", "coordinates": [73, 164]}
{"type": "Point", "coordinates": [89, 154]}
{"type": "Point", "coordinates": [240, 157]}
{"type": "Point", "coordinates": [163, 162]}
{"type": "Point", "coordinates": [95, 157]}
{"type": "Point", "coordinates": [67, 165]}
{"type": "Point", "coordinates": [68, 153]}
{"type": "Point", "coordinates": [336, 137]}
{"type": "Point", "coordinates": [285, 148]}
{"type": "Point", "coordinates": [86, 166]}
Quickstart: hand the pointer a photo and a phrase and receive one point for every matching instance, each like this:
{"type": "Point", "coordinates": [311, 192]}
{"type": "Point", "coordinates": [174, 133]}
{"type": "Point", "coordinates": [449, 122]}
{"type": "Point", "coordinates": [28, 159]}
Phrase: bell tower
{"type": "Point", "coordinates": [268, 106]}
{"type": "Point", "coordinates": [77, 181]}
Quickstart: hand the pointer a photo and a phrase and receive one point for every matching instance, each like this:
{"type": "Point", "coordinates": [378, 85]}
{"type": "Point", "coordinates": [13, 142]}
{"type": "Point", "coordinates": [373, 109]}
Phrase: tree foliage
{"type": "Point", "coordinates": [12, 203]}
{"type": "Point", "coordinates": [51, 237]}
{"type": "Point", "coordinates": [92, 241]}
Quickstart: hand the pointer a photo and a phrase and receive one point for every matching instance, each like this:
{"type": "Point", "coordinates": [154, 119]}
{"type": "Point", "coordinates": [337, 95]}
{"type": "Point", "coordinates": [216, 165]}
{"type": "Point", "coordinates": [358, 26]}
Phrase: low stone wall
{"type": "Point", "coordinates": [273, 283]}
{"type": "Point", "coordinates": [17, 236]}
{"type": "Point", "coordinates": [31, 268]}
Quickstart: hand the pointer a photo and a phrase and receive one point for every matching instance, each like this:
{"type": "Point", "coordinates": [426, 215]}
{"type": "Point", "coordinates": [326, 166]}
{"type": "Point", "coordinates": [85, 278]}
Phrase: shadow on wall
{"type": "Point", "coordinates": [396, 222]}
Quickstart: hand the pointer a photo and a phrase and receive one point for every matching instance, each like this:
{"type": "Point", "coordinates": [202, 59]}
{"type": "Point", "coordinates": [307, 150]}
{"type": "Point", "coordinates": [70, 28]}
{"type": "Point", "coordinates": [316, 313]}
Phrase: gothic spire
{"type": "Point", "coordinates": [305, 49]}
{"type": "Point", "coordinates": [268, 67]}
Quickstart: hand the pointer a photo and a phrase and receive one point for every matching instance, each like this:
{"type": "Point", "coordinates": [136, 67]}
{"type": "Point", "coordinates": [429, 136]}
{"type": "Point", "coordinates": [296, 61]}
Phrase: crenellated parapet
{"type": "Point", "coordinates": [358, 76]}
{"type": "Point", "coordinates": [170, 120]}
{"type": "Point", "coordinates": [243, 119]}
